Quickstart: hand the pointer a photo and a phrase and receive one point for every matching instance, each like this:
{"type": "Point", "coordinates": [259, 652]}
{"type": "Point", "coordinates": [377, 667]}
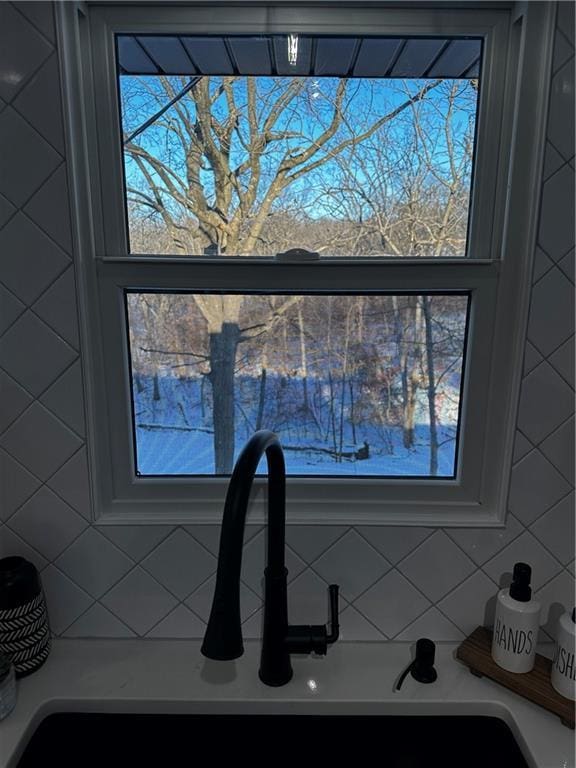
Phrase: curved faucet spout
{"type": "Point", "coordinates": [223, 638]}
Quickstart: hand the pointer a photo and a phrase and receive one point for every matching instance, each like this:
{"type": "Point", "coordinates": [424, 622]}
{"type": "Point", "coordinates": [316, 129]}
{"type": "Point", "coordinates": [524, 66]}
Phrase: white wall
{"type": "Point", "coordinates": [157, 581]}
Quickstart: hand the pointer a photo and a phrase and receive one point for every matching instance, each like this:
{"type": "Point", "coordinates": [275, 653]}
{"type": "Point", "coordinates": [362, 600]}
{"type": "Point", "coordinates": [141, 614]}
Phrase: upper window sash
{"type": "Point", "coordinates": [488, 187]}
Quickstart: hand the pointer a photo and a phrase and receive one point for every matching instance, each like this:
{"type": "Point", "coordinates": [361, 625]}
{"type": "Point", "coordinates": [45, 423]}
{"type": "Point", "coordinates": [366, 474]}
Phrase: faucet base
{"type": "Point", "coordinates": [275, 666]}
{"type": "Point", "coordinates": [276, 680]}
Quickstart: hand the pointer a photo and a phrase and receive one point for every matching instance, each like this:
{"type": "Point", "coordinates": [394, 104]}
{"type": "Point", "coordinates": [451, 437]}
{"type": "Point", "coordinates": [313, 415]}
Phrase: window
{"type": "Point", "coordinates": [338, 377]}
{"type": "Point", "coordinates": [309, 220]}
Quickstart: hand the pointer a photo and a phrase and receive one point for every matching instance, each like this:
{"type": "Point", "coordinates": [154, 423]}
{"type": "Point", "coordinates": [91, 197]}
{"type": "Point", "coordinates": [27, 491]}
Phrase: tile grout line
{"type": "Point", "coordinates": [27, 120]}
{"type": "Point", "coordinates": [34, 25]}
{"type": "Point", "coordinates": [44, 483]}
{"type": "Point", "coordinates": [29, 307]}
{"type": "Point", "coordinates": [558, 31]}
{"type": "Point", "coordinates": [541, 452]}
{"type": "Point", "coordinates": [37, 400]}
{"type": "Point", "coordinates": [323, 551]}
{"type": "Point", "coordinates": [541, 515]}
{"type": "Point", "coordinates": [48, 236]}
{"type": "Point", "coordinates": [97, 602]}
{"type": "Point", "coordinates": [529, 532]}
{"type": "Point", "coordinates": [477, 565]}
{"type": "Point", "coordinates": [419, 544]}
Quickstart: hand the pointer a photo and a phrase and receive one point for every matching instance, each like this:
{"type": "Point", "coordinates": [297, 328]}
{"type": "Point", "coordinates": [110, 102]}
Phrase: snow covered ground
{"type": "Point", "coordinates": [174, 438]}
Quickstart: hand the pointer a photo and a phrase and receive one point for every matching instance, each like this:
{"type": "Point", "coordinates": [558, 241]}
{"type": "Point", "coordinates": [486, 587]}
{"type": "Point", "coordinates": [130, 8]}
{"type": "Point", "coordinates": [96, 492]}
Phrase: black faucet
{"type": "Point", "coordinates": [223, 638]}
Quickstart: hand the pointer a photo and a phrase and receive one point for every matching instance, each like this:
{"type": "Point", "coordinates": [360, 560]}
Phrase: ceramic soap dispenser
{"type": "Point", "coordinates": [563, 675]}
{"type": "Point", "coordinates": [516, 624]}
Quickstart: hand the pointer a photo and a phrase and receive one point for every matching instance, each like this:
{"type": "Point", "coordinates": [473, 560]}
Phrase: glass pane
{"type": "Point", "coordinates": [354, 385]}
{"type": "Point", "coordinates": [257, 165]}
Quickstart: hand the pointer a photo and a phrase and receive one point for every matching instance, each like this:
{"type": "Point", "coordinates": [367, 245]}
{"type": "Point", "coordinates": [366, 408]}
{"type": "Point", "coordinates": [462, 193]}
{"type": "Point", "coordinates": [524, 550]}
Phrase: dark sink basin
{"type": "Point", "coordinates": [127, 740]}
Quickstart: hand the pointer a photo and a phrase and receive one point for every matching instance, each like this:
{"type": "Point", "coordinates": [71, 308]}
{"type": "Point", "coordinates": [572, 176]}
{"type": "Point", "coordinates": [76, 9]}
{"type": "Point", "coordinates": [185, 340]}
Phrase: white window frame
{"type": "Point", "coordinates": [511, 123]}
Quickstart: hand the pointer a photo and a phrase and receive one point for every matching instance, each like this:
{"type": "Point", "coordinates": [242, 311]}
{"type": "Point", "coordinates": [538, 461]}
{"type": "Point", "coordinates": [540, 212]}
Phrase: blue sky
{"type": "Point", "coordinates": [308, 115]}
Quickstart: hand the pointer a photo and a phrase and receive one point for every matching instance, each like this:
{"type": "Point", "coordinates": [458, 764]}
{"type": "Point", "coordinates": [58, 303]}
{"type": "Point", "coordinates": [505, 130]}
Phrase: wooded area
{"type": "Point", "coordinates": [255, 166]}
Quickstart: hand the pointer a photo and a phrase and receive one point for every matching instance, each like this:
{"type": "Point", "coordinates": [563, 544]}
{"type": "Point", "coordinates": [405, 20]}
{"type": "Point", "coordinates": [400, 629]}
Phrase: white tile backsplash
{"type": "Point", "coordinates": [483, 544]}
{"type": "Point", "coordinates": [23, 50]}
{"type": "Point", "coordinates": [561, 130]}
{"type": "Point", "coordinates": [157, 580]}
{"type": "Point", "coordinates": [356, 627]}
{"type": "Point", "coordinates": [546, 401]}
{"type": "Point", "coordinates": [528, 549]}
{"type": "Point", "coordinates": [97, 621]}
{"type": "Point", "coordinates": [7, 210]}
{"type": "Point", "coordinates": [17, 485]}
{"type": "Point", "coordinates": [94, 563]}
{"type": "Point", "coordinates": [30, 260]}
{"type": "Point", "coordinates": [563, 361]}
{"type": "Point", "coordinates": [40, 15]}
{"type": "Point", "coordinates": [180, 623]}
{"type": "Point", "coordinates": [39, 102]}
{"type": "Point", "coordinates": [353, 563]}
{"type": "Point", "coordinates": [536, 485]}
{"type": "Point", "coordinates": [40, 441]}
{"type": "Point", "coordinates": [559, 449]}
{"type": "Point", "coordinates": [547, 329]}
{"type": "Point", "coordinates": [65, 600]}
{"type": "Point", "coordinates": [432, 624]}
{"type": "Point", "coordinates": [64, 399]}
{"type": "Point", "coordinates": [71, 483]}
{"type": "Point", "coordinates": [309, 542]}
{"type": "Point", "coordinates": [13, 402]}
{"type": "Point", "coordinates": [46, 209]}
{"type": "Point", "coordinates": [472, 603]}
{"type": "Point", "coordinates": [437, 566]}
{"type": "Point", "coordinates": [47, 355]}
{"type": "Point", "coordinates": [555, 529]}
{"type": "Point", "coordinates": [10, 309]}
{"type": "Point", "coordinates": [18, 180]}
{"type": "Point", "coordinates": [180, 564]}
{"type": "Point", "coordinates": [392, 603]}
{"type": "Point", "coordinates": [57, 308]}
{"type": "Point", "coordinates": [47, 523]}
{"type": "Point", "coordinates": [394, 542]}
{"type": "Point", "coordinates": [139, 601]}
{"type": "Point", "coordinates": [200, 601]}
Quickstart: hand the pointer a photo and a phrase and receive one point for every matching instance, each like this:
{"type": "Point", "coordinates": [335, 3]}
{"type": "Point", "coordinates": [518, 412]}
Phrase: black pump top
{"type": "Point", "coordinates": [520, 588]}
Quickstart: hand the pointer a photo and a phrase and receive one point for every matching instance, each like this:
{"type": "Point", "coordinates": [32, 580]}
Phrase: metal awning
{"type": "Point", "coordinates": [417, 57]}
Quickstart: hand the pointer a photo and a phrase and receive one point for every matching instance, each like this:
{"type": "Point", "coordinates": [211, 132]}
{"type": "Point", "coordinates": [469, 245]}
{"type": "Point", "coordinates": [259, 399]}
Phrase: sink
{"type": "Point", "coordinates": [162, 740]}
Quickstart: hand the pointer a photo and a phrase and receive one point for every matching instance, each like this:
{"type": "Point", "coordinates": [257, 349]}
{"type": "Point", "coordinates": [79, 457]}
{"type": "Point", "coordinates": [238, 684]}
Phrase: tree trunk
{"type": "Point", "coordinates": [202, 397]}
{"type": "Point", "coordinates": [303, 360]}
{"type": "Point", "coordinates": [431, 386]}
{"type": "Point", "coordinates": [409, 397]}
{"type": "Point", "coordinates": [223, 346]}
{"type": "Point", "coordinates": [352, 411]}
{"type": "Point", "coordinates": [261, 400]}
{"type": "Point", "coordinates": [156, 388]}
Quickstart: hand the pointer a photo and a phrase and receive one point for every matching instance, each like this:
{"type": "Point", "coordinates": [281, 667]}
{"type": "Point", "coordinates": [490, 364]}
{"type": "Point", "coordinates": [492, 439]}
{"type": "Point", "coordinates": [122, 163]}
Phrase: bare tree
{"type": "Point", "coordinates": [226, 163]}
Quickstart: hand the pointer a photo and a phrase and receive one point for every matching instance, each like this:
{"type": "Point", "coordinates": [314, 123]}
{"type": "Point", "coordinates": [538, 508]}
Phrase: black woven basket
{"type": "Point", "coordinates": [24, 627]}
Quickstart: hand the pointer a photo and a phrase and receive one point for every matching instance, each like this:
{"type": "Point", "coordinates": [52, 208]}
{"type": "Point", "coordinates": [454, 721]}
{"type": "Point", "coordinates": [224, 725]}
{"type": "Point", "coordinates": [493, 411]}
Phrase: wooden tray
{"type": "Point", "coordinates": [535, 686]}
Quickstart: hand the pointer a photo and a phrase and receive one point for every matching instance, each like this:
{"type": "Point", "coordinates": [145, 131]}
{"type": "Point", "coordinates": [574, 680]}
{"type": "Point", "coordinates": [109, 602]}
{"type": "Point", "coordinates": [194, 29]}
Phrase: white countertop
{"type": "Point", "coordinates": [172, 676]}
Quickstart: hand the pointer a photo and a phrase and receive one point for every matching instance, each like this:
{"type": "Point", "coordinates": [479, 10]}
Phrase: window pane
{"type": "Point", "coordinates": [354, 385]}
{"type": "Point", "coordinates": [256, 165]}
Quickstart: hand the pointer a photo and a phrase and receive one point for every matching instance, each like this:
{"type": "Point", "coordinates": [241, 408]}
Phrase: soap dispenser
{"type": "Point", "coordinates": [563, 675]}
{"type": "Point", "coordinates": [516, 624]}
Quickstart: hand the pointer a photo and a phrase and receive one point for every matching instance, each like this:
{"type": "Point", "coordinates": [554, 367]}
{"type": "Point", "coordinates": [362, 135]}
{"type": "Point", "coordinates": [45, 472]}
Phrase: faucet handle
{"type": "Point", "coordinates": [314, 638]}
{"type": "Point", "coordinates": [333, 590]}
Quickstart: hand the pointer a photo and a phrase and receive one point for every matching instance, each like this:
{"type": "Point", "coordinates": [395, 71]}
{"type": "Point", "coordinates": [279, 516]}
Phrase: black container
{"type": "Point", "coordinates": [24, 628]}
